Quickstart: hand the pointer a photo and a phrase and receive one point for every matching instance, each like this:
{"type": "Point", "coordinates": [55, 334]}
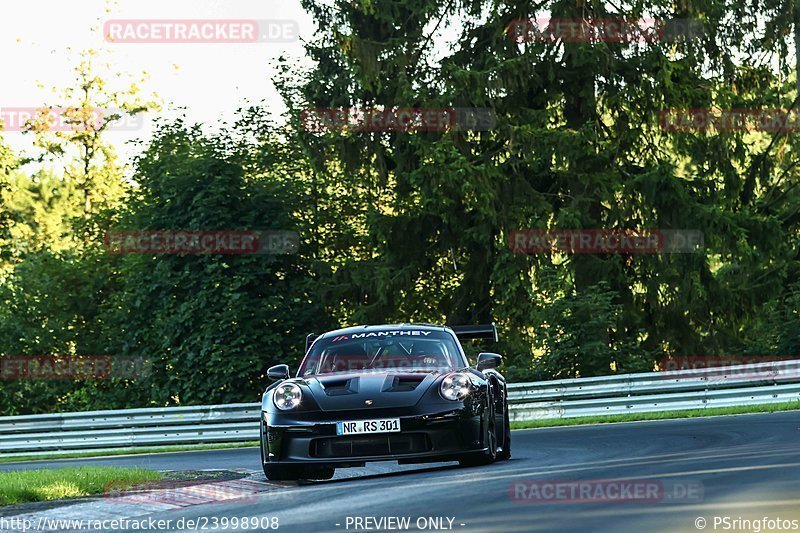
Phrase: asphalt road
{"type": "Point", "coordinates": [741, 467]}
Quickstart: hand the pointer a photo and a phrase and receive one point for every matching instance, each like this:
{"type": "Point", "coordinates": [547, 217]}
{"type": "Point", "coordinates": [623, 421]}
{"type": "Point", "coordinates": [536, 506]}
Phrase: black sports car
{"type": "Point", "coordinates": [401, 393]}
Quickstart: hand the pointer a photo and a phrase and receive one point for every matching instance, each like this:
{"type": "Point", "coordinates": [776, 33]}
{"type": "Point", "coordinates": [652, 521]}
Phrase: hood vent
{"type": "Point", "coordinates": [338, 387]}
{"type": "Point", "coordinates": [402, 383]}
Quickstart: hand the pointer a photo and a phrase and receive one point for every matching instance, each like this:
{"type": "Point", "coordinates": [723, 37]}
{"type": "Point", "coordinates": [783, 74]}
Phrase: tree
{"type": "Point", "coordinates": [8, 165]}
{"type": "Point", "coordinates": [212, 324]}
{"type": "Point", "coordinates": [578, 145]}
{"type": "Point", "coordinates": [89, 110]}
{"type": "Point", "coordinates": [53, 288]}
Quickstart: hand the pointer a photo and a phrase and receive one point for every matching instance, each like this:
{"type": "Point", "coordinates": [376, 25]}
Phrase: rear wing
{"type": "Point", "coordinates": [480, 331]}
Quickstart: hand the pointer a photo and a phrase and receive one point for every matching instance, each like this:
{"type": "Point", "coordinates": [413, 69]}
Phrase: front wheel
{"type": "Point", "coordinates": [295, 472]}
{"type": "Point", "coordinates": [489, 440]}
{"type": "Point", "coordinates": [283, 472]}
{"type": "Point", "coordinates": [505, 451]}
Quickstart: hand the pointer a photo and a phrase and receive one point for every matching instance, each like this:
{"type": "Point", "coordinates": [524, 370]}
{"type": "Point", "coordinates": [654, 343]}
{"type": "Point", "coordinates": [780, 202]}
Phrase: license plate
{"type": "Point", "coordinates": [386, 425]}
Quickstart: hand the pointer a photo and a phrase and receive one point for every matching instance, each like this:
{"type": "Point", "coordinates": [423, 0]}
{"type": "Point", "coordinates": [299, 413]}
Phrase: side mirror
{"type": "Point", "coordinates": [278, 372]}
{"type": "Point", "coordinates": [488, 360]}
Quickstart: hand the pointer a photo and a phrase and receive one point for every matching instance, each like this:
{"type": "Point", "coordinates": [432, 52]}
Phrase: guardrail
{"type": "Point", "coordinates": [125, 428]}
{"type": "Point", "coordinates": [761, 383]}
{"type": "Point", "coordinates": [752, 384]}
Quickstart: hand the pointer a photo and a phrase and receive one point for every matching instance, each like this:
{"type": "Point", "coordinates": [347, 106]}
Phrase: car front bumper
{"type": "Point", "coordinates": [441, 433]}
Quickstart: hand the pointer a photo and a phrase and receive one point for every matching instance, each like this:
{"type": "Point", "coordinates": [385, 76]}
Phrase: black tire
{"type": "Point", "coordinates": [505, 452]}
{"type": "Point", "coordinates": [322, 472]}
{"type": "Point", "coordinates": [283, 472]}
{"type": "Point", "coordinates": [489, 439]}
{"type": "Point", "coordinates": [295, 472]}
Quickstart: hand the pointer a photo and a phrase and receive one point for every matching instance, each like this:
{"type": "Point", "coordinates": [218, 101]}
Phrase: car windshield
{"type": "Point", "coordinates": [404, 350]}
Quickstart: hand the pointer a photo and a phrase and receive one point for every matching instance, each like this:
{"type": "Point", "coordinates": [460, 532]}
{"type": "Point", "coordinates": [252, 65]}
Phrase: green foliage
{"type": "Point", "coordinates": [90, 182]}
{"type": "Point", "coordinates": [211, 324]}
{"type": "Point", "coordinates": [414, 226]}
{"type": "Point", "coordinates": [45, 211]}
{"type": "Point", "coordinates": [567, 335]}
{"type": "Point", "coordinates": [49, 306]}
{"type": "Point", "coordinates": [8, 165]}
{"type": "Point", "coordinates": [578, 144]}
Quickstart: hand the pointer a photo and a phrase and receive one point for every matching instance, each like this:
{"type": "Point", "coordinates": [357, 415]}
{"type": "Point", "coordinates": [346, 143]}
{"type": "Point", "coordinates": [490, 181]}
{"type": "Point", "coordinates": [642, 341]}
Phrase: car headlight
{"type": "Point", "coordinates": [455, 387]}
{"type": "Point", "coordinates": [287, 396]}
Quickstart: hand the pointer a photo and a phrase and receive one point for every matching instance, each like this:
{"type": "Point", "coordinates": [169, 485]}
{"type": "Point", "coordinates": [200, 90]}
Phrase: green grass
{"type": "Point", "coordinates": [125, 451]}
{"type": "Point", "coordinates": [660, 415]}
{"type": "Point", "coordinates": [23, 486]}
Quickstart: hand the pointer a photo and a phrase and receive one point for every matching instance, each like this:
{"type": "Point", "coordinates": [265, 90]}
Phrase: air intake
{"type": "Point", "coordinates": [402, 383]}
{"type": "Point", "coordinates": [339, 387]}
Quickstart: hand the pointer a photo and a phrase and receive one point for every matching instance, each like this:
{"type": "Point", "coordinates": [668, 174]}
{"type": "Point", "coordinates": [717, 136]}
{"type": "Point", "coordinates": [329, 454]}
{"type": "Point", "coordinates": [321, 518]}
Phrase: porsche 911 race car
{"type": "Point", "coordinates": [401, 393]}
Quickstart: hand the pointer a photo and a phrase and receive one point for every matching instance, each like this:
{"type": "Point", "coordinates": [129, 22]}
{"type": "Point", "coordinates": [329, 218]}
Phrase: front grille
{"type": "Point", "coordinates": [358, 446]}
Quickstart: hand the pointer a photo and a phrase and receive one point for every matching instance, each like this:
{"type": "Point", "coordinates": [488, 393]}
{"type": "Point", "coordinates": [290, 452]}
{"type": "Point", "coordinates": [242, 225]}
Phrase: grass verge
{"type": "Point", "coordinates": [23, 486]}
{"type": "Point", "coordinates": [125, 451]}
{"type": "Point", "coordinates": [660, 415]}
